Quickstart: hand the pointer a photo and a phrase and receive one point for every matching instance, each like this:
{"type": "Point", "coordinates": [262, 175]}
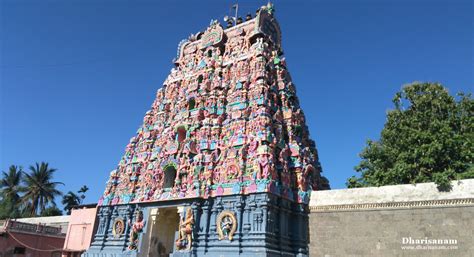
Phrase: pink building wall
{"type": "Point", "coordinates": [80, 230]}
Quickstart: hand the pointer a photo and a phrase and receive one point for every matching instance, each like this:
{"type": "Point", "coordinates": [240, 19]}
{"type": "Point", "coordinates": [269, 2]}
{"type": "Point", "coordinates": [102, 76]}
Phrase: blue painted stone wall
{"type": "Point", "coordinates": [267, 225]}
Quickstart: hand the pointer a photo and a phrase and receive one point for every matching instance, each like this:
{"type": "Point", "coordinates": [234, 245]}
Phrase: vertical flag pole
{"type": "Point", "coordinates": [236, 7]}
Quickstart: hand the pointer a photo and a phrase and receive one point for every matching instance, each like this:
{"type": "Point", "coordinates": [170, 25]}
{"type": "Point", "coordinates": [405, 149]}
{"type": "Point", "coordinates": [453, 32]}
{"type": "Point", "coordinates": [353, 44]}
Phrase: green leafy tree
{"type": "Point", "coordinates": [51, 211]}
{"type": "Point", "coordinates": [83, 191]}
{"type": "Point", "coordinates": [40, 189]}
{"type": "Point", "coordinates": [9, 209]}
{"type": "Point", "coordinates": [323, 183]}
{"type": "Point", "coordinates": [70, 200]}
{"type": "Point", "coordinates": [11, 188]}
{"type": "Point", "coordinates": [428, 137]}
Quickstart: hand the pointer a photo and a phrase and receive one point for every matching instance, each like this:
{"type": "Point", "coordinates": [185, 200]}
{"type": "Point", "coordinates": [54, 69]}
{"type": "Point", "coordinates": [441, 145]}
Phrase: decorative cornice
{"type": "Point", "coordinates": [394, 205]}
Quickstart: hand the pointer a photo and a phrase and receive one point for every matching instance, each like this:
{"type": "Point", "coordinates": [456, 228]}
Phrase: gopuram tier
{"type": "Point", "coordinates": [223, 164]}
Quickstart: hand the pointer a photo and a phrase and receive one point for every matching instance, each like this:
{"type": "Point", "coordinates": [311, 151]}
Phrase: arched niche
{"type": "Point", "coordinates": [191, 103]}
{"type": "Point", "coordinates": [181, 133]}
{"type": "Point", "coordinates": [169, 172]}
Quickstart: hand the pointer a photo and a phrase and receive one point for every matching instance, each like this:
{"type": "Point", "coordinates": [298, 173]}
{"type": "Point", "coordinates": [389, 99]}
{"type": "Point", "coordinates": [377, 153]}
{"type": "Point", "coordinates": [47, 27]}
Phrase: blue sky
{"type": "Point", "coordinates": [78, 76]}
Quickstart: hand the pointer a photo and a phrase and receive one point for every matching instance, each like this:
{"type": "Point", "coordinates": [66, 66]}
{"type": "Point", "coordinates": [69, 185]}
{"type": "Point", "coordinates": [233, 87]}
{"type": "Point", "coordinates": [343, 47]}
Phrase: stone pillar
{"type": "Point", "coordinates": [246, 226]}
{"type": "Point", "coordinates": [239, 206]}
{"type": "Point", "coordinates": [203, 232]}
{"type": "Point", "coordinates": [302, 231]}
{"type": "Point", "coordinates": [195, 208]}
{"type": "Point", "coordinates": [104, 220]}
{"type": "Point", "coordinates": [147, 247]}
{"type": "Point", "coordinates": [129, 217]}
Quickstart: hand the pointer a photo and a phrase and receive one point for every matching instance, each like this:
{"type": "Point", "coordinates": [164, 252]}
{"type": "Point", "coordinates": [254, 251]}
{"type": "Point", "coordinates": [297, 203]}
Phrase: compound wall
{"type": "Point", "coordinates": [404, 220]}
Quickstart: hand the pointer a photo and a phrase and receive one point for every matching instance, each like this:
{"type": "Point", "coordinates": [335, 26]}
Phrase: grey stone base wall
{"type": "Point", "coordinates": [382, 232]}
{"type": "Point", "coordinates": [366, 222]}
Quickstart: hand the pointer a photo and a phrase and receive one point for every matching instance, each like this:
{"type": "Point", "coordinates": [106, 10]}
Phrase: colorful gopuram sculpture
{"type": "Point", "coordinates": [226, 140]}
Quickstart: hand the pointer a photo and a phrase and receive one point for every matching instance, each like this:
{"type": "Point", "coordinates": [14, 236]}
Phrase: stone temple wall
{"type": "Point", "coordinates": [401, 220]}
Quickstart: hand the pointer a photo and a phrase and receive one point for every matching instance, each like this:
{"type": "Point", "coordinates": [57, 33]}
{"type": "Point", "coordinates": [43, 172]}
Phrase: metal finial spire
{"type": "Point", "coordinates": [232, 21]}
{"type": "Point", "coordinates": [236, 7]}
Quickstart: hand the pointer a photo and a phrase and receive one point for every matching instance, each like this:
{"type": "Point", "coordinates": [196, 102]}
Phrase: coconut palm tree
{"type": "Point", "coordinates": [40, 190]}
{"type": "Point", "coordinates": [10, 183]}
{"type": "Point", "coordinates": [70, 200]}
{"type": "Point", "coordinates": [83, 191]}
{"type": "Point", "coordinates": [10, 189]}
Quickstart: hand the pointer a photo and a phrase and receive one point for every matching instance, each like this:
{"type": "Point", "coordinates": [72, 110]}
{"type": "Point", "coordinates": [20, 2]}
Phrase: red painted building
{"type": "Point", "coordinates": [30, 240]}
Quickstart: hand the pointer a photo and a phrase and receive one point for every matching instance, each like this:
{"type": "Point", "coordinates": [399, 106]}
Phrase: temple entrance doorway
{"type": "Point", "coordinates": [164, 225]}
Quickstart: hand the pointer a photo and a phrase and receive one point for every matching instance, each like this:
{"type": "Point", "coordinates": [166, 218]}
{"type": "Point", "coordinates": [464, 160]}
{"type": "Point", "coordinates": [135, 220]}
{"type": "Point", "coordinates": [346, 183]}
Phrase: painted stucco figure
{"type": "Point", "coordinates": [184, 240]}
{"type": "Point", "coordinates": [137, 228]}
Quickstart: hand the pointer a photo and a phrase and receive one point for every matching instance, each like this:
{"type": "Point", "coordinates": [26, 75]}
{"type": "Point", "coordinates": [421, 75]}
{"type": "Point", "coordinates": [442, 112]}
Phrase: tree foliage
{"type": "Point", "coordinates": [29, 194]}
{"type": "Point", "coordinates": [83, 191]}
{"type": "Point", "coordinates": [10, 191]}
{"type": "Point", "coordinates": [428, 137]}
{"type": "Point", "coordinates": [41, 191]}
{"type": "Point", "coordinates": [323, 183]}
{"type": "Point", "coordinates": [51, 211]}
{"type": "Point", "coordinates": [71, 199]}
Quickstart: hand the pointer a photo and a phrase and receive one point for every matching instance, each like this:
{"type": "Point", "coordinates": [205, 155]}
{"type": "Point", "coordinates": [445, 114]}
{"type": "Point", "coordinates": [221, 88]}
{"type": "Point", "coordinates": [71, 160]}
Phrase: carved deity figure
{"type": "Point", "coordinates": [206, 178]}
{"type": "Point", "coordinates": [302, 177]}
{"type": "Point", "coordinates": [226, 225]}
{"type": "Point", "coordinates": [283, 158]}
{"type": "Point", "coordinates": [185, 231]}
{"type": "Point", "coordinates": [264, 166]}
{"type": "Point", "coordinates": [137, 228]}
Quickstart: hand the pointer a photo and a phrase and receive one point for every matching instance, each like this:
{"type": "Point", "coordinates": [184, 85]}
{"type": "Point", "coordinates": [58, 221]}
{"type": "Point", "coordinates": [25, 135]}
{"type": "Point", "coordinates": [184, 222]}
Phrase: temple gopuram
{"type": "Point", "coordinates": [223, 164]}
